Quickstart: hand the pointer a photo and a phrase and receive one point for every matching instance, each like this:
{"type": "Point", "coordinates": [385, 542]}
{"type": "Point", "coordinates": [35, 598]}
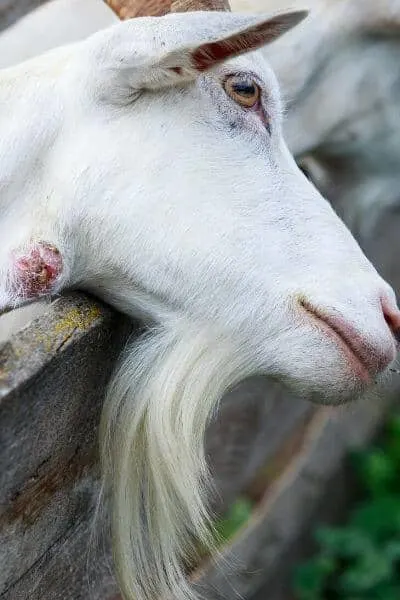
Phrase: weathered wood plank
{"type": "Point", "coordinates": [52, 379]}
{"type": "Point", "coordinates": [74, 567]}
{"type": "Point", "coordinates": [252, 421]}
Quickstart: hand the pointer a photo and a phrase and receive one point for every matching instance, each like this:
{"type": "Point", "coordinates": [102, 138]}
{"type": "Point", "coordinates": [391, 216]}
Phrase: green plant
{"type": "Point", "coordinates": [224, 528]}
{"type": "Point", "coordinates": [237, 515]}
{"type": "Point", "coordinates": [361, 560]}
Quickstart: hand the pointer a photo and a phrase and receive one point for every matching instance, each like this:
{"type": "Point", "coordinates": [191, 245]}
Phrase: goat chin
{"type": "Point", "coordinates": [152, 450]}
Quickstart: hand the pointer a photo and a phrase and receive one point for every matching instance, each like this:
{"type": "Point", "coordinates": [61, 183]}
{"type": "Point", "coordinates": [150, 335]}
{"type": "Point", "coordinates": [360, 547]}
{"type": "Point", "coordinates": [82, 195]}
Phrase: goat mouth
{"type": "Point", "coordinates": [361, 359]}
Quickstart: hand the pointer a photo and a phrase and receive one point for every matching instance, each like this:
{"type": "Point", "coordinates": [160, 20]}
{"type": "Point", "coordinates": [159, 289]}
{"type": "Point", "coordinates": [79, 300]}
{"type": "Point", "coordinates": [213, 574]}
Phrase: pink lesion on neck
{"type": "Point", "coordinates": [36, 270]}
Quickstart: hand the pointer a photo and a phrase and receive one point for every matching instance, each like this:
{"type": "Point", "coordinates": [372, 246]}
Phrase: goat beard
{"type": "Point", "coordinates": [155, 472]}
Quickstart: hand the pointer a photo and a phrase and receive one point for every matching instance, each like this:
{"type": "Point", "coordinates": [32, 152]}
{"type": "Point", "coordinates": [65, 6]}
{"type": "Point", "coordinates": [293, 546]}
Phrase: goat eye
{"type": "Point", "coordinates": [245, 92]}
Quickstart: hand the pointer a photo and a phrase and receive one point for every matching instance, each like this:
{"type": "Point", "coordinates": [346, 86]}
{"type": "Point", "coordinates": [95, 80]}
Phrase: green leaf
{"type": "Point", "coordinates": [345, 542]}
{"type": "Point", "coordinates": [392, 550]}
{"type": "Point", "coordinates": [378, 518]}
{"type": "Point", "coordinates": [376, 470]}
{"type": "Point", "coordinates": [386, 591]}
{"type": "Point", "coordinates": [393, 428]}
{"type": "Point", "coordinates": [369, 571]}
{"type": "Point", "coordinates": [237, 515]}
{"type": "Point", "coordinates": [310, 578]}
{"type": "Point", "coordinates": [361, 560]}
{"type": "Point", "coordinates": [392, 445]}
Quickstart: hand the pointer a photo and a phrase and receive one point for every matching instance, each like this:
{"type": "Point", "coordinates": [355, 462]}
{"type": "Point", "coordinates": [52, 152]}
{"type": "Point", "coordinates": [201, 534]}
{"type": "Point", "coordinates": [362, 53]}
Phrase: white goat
{"type": "Point", "coordinates": [228, 252]}
{"type": "Point", "coordinates": [342, 122]}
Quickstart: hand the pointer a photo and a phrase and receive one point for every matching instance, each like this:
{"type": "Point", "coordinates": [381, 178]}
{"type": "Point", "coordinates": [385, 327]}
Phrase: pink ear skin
{"type": "Point", "coordinates": [212, 53]}
{"type": "Point", "coordinates": [35, 270]}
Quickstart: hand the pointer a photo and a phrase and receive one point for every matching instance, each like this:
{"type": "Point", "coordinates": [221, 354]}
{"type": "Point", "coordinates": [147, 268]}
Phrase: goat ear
{"type": "Point", "coordinates": [225, 36]}
{"type": "Point", "coordinates": [186, 63]}
{"type": "Point", "coordinates": [212, 53]}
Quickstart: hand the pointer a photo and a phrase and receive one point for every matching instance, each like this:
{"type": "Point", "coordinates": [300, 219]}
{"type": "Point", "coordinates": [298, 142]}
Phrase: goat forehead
{"type": "Point", "coordinates": [253, 62]}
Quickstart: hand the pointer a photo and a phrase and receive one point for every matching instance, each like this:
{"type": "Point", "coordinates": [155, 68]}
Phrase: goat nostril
{"type": "Point", "coordinates": [392, 318]}
{"type": "Point", "coordinates": [396, 334]}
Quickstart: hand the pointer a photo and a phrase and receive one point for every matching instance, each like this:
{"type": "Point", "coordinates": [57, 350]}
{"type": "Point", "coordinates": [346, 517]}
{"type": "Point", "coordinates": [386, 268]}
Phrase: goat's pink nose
{"type": "Point", "coordinates": [392, 318]}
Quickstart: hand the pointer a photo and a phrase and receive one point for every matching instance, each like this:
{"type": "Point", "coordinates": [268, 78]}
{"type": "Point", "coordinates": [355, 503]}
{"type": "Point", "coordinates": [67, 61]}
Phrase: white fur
{"type": "Point", "coordinates": [153, 452]}
{"type": "Point", "coordinates": [171, 202]}
{"type": "Point", "coordinates": [344, 94]}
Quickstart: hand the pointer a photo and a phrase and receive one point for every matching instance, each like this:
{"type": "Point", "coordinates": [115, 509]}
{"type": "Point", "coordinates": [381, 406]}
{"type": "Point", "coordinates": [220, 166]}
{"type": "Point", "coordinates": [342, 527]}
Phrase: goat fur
{"type": "Point", "coordinates": [201, 343]}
